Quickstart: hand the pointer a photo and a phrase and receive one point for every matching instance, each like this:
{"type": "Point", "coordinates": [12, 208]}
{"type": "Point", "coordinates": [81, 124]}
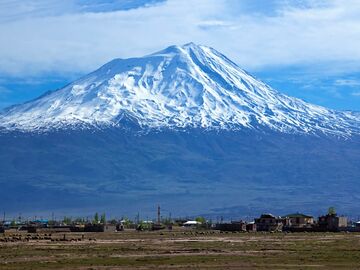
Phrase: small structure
{"type": "Point", "coordinates": [157, 227]}
{"type": "Point", "coordinates": [55, 229]}
{"type": "Point", "coordinates": [269, 223]}
{"type": "Point", "coordinates": [109, 228]}
{"type": "Point", "coordinates": [234, 226]}
{"type": "Point", "coordinates": [120, 227]}
{"type": "Point", "coordinates": [191, 224]}
{"type": "Point", "coordinates": [357, 224]}
{"type": "Point", "coordinates": [332, 223]}
{"type": "Point", "coordinates": [99, 228]}
{"type": "Point", "coordinates": [298, 221]}
{"type": "Point", "coordinates": [93, 227]}
{"type": "Point", "coordinates": [251, 227]}
{"type": "Point", "coordinates": [77, 228]}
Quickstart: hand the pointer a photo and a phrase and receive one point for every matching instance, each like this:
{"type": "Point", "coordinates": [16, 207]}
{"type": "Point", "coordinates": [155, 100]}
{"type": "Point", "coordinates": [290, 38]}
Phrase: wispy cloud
{"type": "Point", "coordinates": [347, 82]}
{"type": "Point", "coordinates": [11, 10]}
{"type": "Point", "coordinates": [312, 45]}
{"type": "Point", "coordinates": [113, 5]}
{"type": "Point", "coordinates": [356, 94]}
{"type": "Point", "coordinates": [68, 36]}
{"type": "Point", "coordinates": [210, 25]}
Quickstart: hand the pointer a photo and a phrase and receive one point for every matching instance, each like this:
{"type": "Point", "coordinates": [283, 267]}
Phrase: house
{"type": "Point", "coordinates": [99, 228]}
{"type": "Point", "coordinates": [54, 229]}
{"type": "Point", "coordinates": [77, 228]}
{"type": "Point", "coordinates": [251, 227]}
{"type": "Point", "coordinates": [109, 228]}
{"type": "Point", "coordinates": [269, 223]}
{"type": "Point", "coordinates": [332, 222]}
{"type": "Point", "coordinates": [157, 227]}
{"type": "Point", "coordinates": [299, 221]}
{"type": "Point", "coordinates": [235, 226]}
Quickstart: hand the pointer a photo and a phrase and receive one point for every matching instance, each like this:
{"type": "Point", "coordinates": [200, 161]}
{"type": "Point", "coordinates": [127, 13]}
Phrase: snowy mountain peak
{"type": "Point", "coordinates": [180, 49]}
{"type": "Point", "coordinates": [178, 87]}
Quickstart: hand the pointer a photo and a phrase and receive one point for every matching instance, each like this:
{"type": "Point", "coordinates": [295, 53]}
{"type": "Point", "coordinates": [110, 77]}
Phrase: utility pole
{"type": "Point", "coordinates": [138, 218]}
{"type": "Point", "coordinates": [158, 214]}
{"type": "Point", "coordinates": [4, 217]}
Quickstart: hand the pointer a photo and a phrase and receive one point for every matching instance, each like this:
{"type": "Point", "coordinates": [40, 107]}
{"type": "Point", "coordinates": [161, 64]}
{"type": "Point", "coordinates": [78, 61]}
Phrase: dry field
{"type": "Point", "coordinates": [181, 250]}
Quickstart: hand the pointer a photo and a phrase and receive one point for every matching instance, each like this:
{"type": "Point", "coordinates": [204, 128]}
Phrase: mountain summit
{"type": "Point", "coordinates": [189, 86]}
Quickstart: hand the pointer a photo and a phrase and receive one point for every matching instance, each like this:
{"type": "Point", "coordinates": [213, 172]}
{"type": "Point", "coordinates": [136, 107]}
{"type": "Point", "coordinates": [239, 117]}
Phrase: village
{"type": "Point", "coordinates": [296, 222]}
{"type": "Point", "coordinates": [264, 242]}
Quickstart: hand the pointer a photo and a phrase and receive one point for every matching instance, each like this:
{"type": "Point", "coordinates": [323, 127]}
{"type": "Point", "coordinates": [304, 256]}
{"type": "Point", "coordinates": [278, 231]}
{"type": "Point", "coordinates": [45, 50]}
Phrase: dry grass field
{"type": "Point", "coordinates": [181, 250]}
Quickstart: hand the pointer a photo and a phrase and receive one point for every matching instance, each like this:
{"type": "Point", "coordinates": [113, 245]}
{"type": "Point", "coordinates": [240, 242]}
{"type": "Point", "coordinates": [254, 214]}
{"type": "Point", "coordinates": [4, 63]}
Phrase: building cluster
{"type": "Point", "coordinates": [67, 225]}
{"type": "Point", "coordinates": [44, 226]}
{"type": "Point", "coordinates": [296, 222]}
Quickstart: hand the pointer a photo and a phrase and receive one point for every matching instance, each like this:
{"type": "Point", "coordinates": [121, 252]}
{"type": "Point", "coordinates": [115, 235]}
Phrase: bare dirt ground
{"type": "Point", "coordinates": [180, 250]}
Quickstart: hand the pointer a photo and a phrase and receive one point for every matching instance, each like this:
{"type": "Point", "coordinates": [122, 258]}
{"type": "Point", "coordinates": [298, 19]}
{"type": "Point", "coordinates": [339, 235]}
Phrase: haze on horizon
{"type": "Point", "coordinates": [308, 49]}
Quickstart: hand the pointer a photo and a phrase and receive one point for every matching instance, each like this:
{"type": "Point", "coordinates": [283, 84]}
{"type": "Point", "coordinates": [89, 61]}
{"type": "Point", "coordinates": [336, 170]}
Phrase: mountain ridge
{"type": "Point", "coordinates": [186, 172]}
{"type": "Point", "coordinates": [180, 87]}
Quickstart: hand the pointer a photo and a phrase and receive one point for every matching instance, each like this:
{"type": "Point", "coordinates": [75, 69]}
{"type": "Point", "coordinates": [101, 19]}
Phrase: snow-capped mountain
{"type": "Point", "coordinates": [231, 168]}
{"type": "Point", "coordinates": [179, 87]}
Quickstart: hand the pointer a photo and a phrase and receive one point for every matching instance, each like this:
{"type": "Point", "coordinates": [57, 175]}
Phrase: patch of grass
{"type": "Point", "coordinates": [179, 250]}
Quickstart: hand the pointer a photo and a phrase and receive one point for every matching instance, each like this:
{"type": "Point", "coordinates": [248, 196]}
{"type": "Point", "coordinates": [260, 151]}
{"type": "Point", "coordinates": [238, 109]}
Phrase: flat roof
{"type": "Point", "coordinates": [295, 215]}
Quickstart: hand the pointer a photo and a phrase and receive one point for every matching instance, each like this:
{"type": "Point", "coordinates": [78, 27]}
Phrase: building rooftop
{"type": "Point", "coordinates": [192, 222]}
{"type": "Point", "coordinates": [267, 215]}
{"type": "Point", "coordinates": [298, 215]}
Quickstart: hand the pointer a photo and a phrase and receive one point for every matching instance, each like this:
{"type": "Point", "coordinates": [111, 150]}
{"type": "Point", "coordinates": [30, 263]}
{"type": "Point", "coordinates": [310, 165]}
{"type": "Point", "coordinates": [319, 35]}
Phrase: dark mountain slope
{"type": "Point", "coordinates": [123, 172]}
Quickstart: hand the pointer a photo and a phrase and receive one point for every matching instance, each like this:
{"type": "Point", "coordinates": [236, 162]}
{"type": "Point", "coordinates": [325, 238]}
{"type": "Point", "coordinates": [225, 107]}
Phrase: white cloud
{"type": "Point", "coordinates": [356, 94]}
{"type": "Point", "coordinates": [347, 82]}
{"type": "Point", "coordinates": [312, 33]}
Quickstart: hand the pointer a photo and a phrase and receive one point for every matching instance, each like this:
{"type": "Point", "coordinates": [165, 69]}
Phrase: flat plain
{"type": "Point", "coordinates": [180, 249]}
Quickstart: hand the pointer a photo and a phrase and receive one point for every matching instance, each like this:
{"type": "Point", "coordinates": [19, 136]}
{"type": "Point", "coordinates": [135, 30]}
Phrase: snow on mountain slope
{"type": "Point", "coordinates": [179, 87]}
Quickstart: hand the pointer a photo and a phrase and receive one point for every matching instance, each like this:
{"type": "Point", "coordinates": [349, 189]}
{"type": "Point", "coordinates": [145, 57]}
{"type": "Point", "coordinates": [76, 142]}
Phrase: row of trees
{"type": "Point", "coordinates": [98, 219]}
{"type": "Point", "coordinates": [101, 219]}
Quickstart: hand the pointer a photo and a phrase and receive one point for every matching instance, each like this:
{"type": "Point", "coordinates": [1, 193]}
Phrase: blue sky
{"type": "Point", "coordinates": [306, 48]}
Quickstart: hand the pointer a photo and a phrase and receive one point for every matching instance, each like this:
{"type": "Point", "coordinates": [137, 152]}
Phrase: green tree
{"type": "Point", "coordinates": [67, 220]}
{"type": "Point", "coordinates": [144, 226]}
{"type": "Point", "coordinates": [127, 222]}
{"type": "Point", "coordinates": [202, 220]}
{"type": "Point", "coordinates": [103, 219]}
{"type": "Point", "coordinates": [331, 211]}
{"type": "Point", "coordinates": [96, 218]}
